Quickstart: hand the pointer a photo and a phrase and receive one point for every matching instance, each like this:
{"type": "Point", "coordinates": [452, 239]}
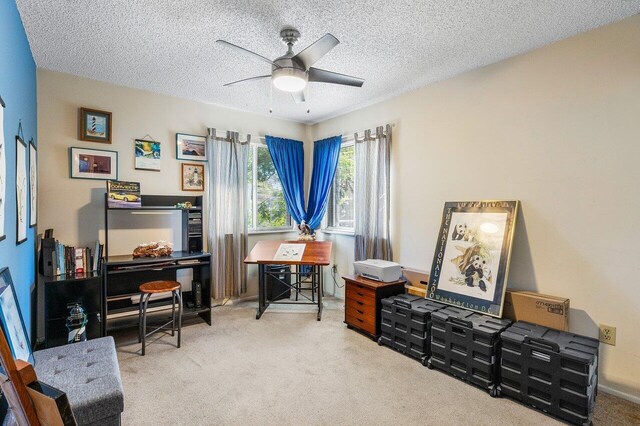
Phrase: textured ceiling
{"type": "Point", "coordinates": [167, 46]}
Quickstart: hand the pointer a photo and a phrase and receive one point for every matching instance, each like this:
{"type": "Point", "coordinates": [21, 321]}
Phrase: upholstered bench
{"type": "Point", "coordinates": [88, 373]}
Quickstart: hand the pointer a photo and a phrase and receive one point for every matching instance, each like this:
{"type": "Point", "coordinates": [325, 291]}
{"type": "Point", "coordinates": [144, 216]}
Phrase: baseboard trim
{"type": "Point", "coordinates": [620, 394]}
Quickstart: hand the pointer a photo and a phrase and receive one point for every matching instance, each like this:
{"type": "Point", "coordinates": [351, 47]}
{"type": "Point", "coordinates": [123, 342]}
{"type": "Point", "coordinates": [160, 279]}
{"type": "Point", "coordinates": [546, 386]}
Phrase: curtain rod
{"type": "Point", "coordinates": [350, 136]}
{"type": "Point", "coordinates": [347, 136]}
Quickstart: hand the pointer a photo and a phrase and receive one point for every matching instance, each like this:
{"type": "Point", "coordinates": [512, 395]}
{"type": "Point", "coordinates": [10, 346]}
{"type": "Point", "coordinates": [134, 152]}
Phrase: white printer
{"type": "Point", "coordinates": [379, 270]}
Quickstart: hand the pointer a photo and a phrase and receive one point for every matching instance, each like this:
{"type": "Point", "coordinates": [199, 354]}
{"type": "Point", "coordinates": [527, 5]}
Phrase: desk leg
{"type": "Point", "coordinates": [320, 284]}
{"type": "Point", "coordinates": [262, 291]}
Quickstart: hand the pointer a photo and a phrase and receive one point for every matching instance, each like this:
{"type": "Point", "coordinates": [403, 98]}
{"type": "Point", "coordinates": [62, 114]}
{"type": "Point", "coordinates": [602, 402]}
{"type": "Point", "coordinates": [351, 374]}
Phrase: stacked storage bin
{"type": "Point", "coordinates": [406, 324]}
{"type": "Point", "coordinates": [552, 370]}
{"type": "Point", "coordinates": [467, 345]}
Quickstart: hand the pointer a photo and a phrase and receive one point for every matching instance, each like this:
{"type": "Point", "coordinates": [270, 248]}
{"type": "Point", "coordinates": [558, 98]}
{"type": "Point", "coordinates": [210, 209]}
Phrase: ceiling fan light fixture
{"type": "Point", "coordinates": [289, 79]}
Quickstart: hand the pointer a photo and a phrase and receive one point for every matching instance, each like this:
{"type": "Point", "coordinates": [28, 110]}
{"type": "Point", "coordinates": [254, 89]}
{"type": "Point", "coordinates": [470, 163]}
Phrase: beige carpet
{"type": "Point", "coordinates": [289, 369]}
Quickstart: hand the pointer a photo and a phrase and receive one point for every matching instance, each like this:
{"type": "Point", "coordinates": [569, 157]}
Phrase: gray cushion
{"type": "Point", "coordinates": [88, 373]}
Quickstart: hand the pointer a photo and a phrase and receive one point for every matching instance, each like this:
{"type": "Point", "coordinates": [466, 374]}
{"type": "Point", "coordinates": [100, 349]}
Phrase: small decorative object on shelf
{"type": "Point", "coordinates": [159, 249]}
{"type": "Point", "coordinates": [306, 233]}
{"type": "Point", "coordinates": [185, 205]}
{"type": "Point", "coordinates": [76, 324]}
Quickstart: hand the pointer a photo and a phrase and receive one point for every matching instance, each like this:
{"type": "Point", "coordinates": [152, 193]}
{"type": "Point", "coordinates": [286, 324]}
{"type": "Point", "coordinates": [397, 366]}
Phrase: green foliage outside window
{"type": "Point", "coordinates": [270, 210]}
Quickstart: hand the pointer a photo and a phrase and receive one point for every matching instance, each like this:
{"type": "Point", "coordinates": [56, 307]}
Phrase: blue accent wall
{"type": "Point", "coordinates": [18, 90]}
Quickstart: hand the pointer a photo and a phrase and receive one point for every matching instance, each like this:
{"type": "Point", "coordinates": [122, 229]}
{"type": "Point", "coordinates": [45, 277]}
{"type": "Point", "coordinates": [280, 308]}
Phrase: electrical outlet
{"type": "Point", "coordinates": [608, 334]}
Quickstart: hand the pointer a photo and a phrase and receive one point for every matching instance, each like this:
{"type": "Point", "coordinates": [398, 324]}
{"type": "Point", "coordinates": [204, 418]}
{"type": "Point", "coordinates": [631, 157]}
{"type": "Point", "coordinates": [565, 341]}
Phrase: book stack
{"type": "Point", "coordinates": [76, 260]}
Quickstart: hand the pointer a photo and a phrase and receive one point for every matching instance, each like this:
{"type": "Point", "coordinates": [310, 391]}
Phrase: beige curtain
{"type": "Point", "coordinates": [227, 210]}
{"type": "Point", "coordinates": [372, 195]}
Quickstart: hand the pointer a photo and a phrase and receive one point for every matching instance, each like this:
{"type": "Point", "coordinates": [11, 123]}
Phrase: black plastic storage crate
{"type": "Point", "coordinates": [552, 370]}
{"type": "Point", "coordinates": [406, 324]}
{"type": "Point", "coordinates": [467, 345]}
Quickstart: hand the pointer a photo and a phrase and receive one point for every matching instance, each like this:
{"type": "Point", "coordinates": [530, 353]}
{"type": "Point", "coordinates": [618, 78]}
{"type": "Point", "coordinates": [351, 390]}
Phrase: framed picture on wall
{"type": "Point", "coordinates": [192, 177]}
{"type": "Point", "coordinates": [33, 183]}
{"type": "Point", "coordinates": [93, 164]}
{"type": "Point", "coordinates": [471, 263]}
{"type": "Point", "coordinates": [147, 155]}
{"type": "Point", "coordinates": [22, 191]}
{"type": "Point", "coordinates": [3, 173]}
{"type": "Point", "coordinates": [191, 147]}
{"type": "Point", "coordinates": [11, 319]}
{"type": "Point", "coordinates": [95, 125]}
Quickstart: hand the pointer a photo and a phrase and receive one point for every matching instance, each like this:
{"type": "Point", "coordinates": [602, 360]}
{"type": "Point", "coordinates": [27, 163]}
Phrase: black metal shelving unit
{"type": "Point", "coordinates": [123, 274]}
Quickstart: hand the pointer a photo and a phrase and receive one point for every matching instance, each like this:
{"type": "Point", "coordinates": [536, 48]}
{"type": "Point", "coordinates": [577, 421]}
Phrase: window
{"type": "Point", "coordinates": [341, 212]}
{"type": "Point", "coordinates": [267, 208]}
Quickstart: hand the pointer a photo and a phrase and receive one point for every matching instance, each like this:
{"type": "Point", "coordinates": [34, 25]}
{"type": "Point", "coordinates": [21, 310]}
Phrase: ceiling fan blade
{"type": "Point", "coordinates": [246, 52]}
{"type": "Point", "coordinates": [299, 97]}
{"type": "Point", "coordinates": [324, 76]}
{"type": "Point", "coordinates": [247, 79]}
{"type": "Point", "coordinates": [317, 50]}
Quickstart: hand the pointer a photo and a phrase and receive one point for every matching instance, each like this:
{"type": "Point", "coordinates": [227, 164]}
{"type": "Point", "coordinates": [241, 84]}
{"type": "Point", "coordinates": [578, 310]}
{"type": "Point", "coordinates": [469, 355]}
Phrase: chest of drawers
{"type": "Point", "coordinates": [363, 302]}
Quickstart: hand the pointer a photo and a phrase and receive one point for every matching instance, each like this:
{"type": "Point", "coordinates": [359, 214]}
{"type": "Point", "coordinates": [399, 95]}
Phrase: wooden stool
{"type": "Point", "coordinates": [153, 287]}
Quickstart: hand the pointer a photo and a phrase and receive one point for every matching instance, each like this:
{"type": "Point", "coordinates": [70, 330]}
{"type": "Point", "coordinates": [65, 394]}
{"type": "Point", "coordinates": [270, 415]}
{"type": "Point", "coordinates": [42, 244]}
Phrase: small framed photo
{"type": "Point", "coordinates": [95, 125]}
{"type": "Point", "coordinates": [191, 147]}
{"type": "Point", "coordinates": [93, 164]}
{"type": "Point", "coordinates": [192, 177]}
{"type": "Point", "coordinates": [11, 319]}
{"type": "Point", "coordinates": [147, 155]}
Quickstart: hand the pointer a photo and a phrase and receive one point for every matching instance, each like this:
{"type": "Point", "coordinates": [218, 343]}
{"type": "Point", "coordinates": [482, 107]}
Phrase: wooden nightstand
{"type": "Point", "coordinates": [362, 302]}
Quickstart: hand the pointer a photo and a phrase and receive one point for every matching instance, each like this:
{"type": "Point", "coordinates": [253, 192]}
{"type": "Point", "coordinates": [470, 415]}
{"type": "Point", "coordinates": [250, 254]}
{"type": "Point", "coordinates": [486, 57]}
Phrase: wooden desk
{"type": "Point", "coordinates": [316, 255]}
{"type": "Point", "coordinates": [124, 274]}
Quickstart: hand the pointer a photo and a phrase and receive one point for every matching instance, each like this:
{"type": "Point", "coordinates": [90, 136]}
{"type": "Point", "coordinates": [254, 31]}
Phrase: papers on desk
{"type": "Point", "coordinates": [290, 252]}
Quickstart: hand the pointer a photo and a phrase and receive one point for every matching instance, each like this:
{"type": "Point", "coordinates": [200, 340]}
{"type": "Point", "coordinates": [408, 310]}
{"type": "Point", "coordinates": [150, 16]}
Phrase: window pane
{"type": "Point", "coordinates": [343, 208]}
{"type": "Point", "coordinates": [271, 209]}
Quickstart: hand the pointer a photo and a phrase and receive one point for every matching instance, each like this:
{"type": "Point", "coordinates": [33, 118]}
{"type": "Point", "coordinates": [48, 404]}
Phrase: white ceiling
{"type": "Point", "coordinates": [168, 46]}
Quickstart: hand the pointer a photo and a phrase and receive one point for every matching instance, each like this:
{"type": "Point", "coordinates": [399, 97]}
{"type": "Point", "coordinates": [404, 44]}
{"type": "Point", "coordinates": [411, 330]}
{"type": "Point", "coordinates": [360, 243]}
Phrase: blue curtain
{"type": "Point", "coordinates": [325, 163]}
{"type": "Point", "coordinates": [288, 159]}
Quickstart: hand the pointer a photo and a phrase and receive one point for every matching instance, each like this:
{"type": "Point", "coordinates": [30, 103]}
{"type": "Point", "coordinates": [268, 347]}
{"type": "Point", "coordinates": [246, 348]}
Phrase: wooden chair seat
{"type": "Point", "coordinates": [159, 286]}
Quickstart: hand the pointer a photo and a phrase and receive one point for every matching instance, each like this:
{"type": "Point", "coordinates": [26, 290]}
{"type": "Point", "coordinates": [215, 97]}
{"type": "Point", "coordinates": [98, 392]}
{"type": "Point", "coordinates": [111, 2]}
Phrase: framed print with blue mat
{"type": "Point", "coordinates": [471, 263]}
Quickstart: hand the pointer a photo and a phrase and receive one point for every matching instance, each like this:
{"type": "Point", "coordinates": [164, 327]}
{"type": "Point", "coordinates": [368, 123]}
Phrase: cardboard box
{"type": "Point", "coordinates": [413, 285]}
{"type": "Point", "coordinates": [536, 308]}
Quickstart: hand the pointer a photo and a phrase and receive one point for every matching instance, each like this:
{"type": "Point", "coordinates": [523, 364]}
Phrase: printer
{"type": "Point", "coordinates": [379, 270]}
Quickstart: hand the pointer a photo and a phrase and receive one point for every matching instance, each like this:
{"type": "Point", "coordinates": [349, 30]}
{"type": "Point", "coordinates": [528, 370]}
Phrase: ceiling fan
{"type": "Point", "coordinates": [292, 71]}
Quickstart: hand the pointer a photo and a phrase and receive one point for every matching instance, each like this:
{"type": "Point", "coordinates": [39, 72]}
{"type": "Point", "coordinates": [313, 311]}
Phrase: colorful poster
{"type": "Point", "coordinates": [471, 263]}
{"type": "Point", "coordinates": [123, 195]}
{"type": "Point", "coordinates": [147, 155]}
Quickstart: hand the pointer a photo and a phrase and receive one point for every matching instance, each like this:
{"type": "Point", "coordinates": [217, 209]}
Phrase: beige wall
{"type": "Point", "coordinates": [557, 128]}
{"type": "Point", "coordinates": [74, 207]}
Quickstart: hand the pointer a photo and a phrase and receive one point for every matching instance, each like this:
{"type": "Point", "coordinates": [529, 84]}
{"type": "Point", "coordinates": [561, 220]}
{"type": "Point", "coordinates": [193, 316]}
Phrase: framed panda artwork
{"type": "Point", "coordinates": [471, 263]}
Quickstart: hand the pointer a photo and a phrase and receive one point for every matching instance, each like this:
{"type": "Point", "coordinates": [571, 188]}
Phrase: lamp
{"type": "Point", "coordinates": [289, 79]}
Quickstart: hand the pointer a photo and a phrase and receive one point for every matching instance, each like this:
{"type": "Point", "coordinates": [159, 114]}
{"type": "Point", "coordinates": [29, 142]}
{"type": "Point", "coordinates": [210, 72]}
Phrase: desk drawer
{"type": "Point", "coordinates": [366, 305]}
{"type": "Point", "coordinates": [367, 297]}
{"type": "Point", "coordinates": [360, 322]}
{"type": "Point", "coordinates": [362, 289]}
